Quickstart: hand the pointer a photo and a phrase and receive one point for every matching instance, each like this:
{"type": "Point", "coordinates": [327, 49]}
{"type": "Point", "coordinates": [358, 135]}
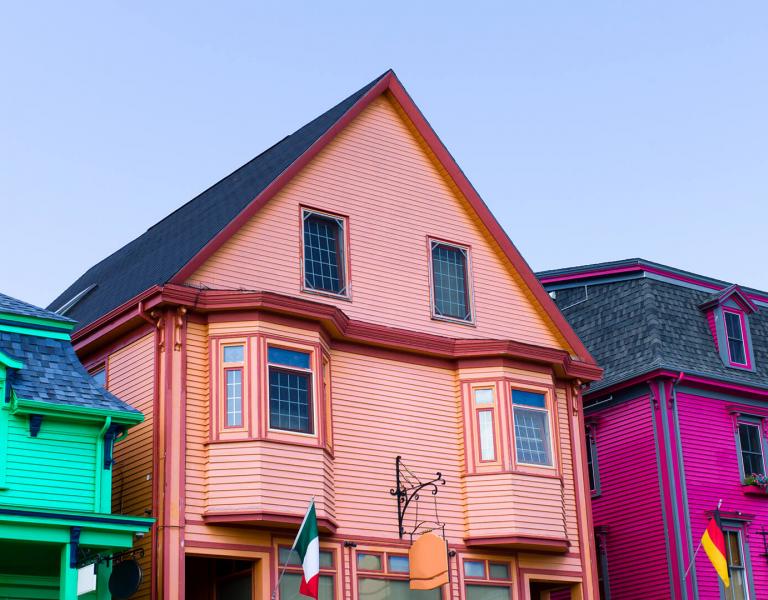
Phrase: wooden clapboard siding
{"type": "Point", "coordinates": [198, 393]}
{"type": "Point", "coordinates": [712, 475]}
{"type": "Point", "coordinates": [57, 469]}
{"type": "Point", "coordinates": [379, 173]}
{"type": "Point", "coordinates": [131, 377]}
{"type": "Point", "coordinates": [629, 504]}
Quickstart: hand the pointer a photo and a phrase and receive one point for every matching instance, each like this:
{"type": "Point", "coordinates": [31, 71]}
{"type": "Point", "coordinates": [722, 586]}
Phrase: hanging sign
{"type": "Point", "coordinates": [125, 579]}
{"type": "Point", "coordinates": [428, 559]}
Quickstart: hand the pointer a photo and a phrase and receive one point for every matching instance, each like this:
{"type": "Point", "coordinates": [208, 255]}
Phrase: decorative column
{"type": "Point", "coordinates": [67, 575]}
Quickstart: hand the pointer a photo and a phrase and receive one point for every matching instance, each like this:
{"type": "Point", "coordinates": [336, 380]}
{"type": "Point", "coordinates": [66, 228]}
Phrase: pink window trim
{"type": "Point", "coordinates": [743, 323]}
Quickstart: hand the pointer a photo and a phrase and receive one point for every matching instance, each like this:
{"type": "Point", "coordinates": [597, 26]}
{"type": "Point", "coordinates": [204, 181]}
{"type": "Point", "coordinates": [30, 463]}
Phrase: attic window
{"type": "Point", "coordinates": [735, 330]}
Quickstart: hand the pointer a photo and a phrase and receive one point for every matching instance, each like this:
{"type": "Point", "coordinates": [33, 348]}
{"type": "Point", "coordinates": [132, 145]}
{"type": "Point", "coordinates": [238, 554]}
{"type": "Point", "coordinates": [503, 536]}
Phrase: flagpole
{"type": "Point", "coordinates": [285, 565]}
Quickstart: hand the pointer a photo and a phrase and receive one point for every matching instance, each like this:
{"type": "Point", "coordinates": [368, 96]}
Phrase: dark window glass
{"type": "Point", "coordinates": [487, 592]}
{"type": "Point", "coordinates": [751, 449]}
{"type": "Point", "coordinates": [602, 568]}
{"type": "Point", "coordinates": [289, 358]}
{"type": "Point", "coordinates": [591, 462]}
{"type": "Point", "coordinates": [392, 589]}
{"type": "Point", "coordinates": [324, 253]}
{"type": "Point", "coordinates": [736, 571]}
{"type": "Point", "coordinates": [289, 400]}
{"type": "Point", "coordinates": [735, 334]}
{"type": "Point", "coordinates": [449, 280]}
{"type": "Point", "coordinates": [529, 399]}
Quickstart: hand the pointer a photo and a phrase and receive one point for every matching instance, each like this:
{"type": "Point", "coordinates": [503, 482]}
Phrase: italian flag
{"type": "Point", "coordinates": [307, 545]}
{"type": "Point", "coordinates": [714, 545]}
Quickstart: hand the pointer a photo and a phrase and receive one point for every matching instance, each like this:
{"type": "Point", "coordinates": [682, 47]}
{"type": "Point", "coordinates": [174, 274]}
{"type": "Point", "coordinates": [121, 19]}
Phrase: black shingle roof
{"type": "Point", "coordinates": [637, 325]}
{"type": "Point", "coordinates": [12, 306]}
{"type": "Point", "coordinates": [158, 254]}
{"type": "Point", "coordinates": [52, 373]}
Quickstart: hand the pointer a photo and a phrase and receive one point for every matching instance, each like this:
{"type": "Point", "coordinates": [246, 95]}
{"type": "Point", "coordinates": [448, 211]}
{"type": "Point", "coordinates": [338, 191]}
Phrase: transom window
{"type": "Point", "coordinates": [738, 589]}
{"type": "Point", "coordinates": [751, 449]}
{"type": "Point", "coordinates": [734, 329]}
{"type": "Point", "coordinates": [324, 254]}
{"type": "Point", "coordinates": [532, 439]}
{"type": "Point", "coordinates": [290, 390]}
{"type": "Point", "coordinates": [233, 360]}
{"type": "Point", "coordinates": [450, 282]}
{"type": "Point", "coordinates": [487, 580]}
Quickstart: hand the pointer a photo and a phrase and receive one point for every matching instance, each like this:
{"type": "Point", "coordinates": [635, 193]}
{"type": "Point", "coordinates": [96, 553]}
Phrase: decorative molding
{"type": "Point", "coordinates": [554, 545]}
{"type": "Point", "coordinates": [264, 519]}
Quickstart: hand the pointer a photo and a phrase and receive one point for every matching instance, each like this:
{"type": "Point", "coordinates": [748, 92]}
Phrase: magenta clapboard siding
{"type": "Point", "coordinates": [712, 473]}
{"type": "Point", "coordinates": [629, 503]}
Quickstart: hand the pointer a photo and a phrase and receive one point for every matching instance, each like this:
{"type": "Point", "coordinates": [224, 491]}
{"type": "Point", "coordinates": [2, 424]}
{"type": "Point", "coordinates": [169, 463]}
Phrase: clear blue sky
{"type": "Point", "coordinates": [594, 131]}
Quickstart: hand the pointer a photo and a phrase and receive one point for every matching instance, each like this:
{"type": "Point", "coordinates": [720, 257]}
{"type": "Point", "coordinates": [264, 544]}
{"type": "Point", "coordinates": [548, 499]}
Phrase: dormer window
{"type": "Point", "coordinates": [727, 314]}
{"type": "Point", "coordinates": [735, 328]}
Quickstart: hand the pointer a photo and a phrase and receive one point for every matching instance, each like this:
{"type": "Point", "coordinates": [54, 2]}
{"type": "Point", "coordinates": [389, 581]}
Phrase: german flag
{"type": "Point", "coordinates": [714, 545]}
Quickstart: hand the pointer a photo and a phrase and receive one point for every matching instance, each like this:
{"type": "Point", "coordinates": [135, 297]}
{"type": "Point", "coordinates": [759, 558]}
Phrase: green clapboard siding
{"type": "Point", "coordinates": [57, 469]}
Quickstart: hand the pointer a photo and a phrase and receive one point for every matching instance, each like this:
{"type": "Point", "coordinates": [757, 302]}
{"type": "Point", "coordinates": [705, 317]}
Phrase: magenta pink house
{"type": "Point", "coordinates": [678, 424]}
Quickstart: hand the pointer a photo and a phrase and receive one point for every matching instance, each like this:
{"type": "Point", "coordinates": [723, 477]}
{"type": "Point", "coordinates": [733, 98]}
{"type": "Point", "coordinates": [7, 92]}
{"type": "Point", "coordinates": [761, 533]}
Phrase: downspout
{"type": "Point", "coordinates": [672, 491]}
{"type": "Point", "coordinates": [657, 449]}
{"type": "Point", "coordinates": [684, 487]}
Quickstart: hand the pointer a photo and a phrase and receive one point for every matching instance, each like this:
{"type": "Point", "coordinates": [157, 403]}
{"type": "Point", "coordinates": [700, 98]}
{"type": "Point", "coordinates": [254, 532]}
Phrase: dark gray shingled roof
{"type": "Point", "coordinates": [52, 373]}
{"type": "Point", "coordinates": [637, 325]}
{"type": "Point", "coordinates": [158, 254]}
{"type": "Point", "coordinates": [12, 306]}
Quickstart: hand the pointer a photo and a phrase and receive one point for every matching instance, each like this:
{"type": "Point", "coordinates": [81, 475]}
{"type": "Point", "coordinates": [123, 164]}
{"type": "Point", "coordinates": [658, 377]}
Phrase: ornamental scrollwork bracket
{"type": "Point", "coordinates": [408, 487]}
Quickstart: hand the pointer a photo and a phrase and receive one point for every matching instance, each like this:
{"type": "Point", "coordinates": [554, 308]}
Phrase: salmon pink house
{"type": "Point", "coordinates": [343, 299]}
{"type": "Point", "coordinates": [678, 424]}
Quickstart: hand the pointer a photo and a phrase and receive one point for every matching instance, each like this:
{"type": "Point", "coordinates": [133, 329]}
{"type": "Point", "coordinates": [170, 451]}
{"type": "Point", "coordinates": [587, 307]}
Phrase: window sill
{"type": "Point", "coordinates": [452, 320]}
{"type": "Point", "coordinates": [754, 490]}
{"type": "Point", "coordinates": [345, 297]}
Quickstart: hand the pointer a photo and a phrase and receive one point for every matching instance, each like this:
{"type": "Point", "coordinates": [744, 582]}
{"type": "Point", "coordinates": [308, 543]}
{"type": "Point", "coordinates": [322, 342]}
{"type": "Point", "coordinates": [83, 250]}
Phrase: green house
{"type": "Point", "coordinates": [57, 431]}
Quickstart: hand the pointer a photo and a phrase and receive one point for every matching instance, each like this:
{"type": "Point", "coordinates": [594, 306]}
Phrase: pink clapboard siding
{"type": "Point", "coordinates": [712, 473]}
{"type": "Point", "coordinates": [629, 504]}
{"type": "Point", "coordinates": [378, 172]}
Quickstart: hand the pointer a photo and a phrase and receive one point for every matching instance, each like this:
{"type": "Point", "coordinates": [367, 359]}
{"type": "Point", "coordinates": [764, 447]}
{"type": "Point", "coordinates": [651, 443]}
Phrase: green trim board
{"type": "Point", "coordinates": [9, 362]}
{"type": "Point", "coordinates": [41, 321]}
{"type": "Point", "coordinates": [56, 335]}
{"type": "Point", "coordinates": [67, 411]}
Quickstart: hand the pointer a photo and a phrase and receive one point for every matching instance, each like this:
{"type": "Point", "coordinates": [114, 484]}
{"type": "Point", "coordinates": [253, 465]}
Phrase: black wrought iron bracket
{"type": "Point", "coordinates": [408, 488]}
{"type": "Point", "coordinates": [86, 557]}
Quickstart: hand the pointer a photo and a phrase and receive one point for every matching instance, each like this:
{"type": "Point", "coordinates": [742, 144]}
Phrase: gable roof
{"type": "Point", "coordinates": [635, 323]}
{"type": "Point", "coordinates": [732, 291]}
{"type": "Point", "coordinates": [172, 250]}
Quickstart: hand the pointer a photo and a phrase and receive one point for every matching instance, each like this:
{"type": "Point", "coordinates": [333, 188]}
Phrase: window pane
{"type": "Point", "coordinates": [484, 396]}
{"type": "Point", "coordinates": [751, 449]}
{"type": "Point", "coordinates": [289, 557]}
{"type": "Point", "coordinates": [487, 592]}
{"type": "Point", "coordinates": [532, 436]}
{"type": "Point", "coordinates": [289, 358]}
{"type": "Point", "coordinates": [369, 562]}
{"type": "Point", "coordinates": [234, 398]}
{"type": "Point", "coordinates": [591, 463]}
{"type": "Point", "coordinates": [100, 377]}
{"type": "Point", "coordinates": [499, 571]}
{"type": "Point", "coordinates": [238, 587]}
{"type": "Point", "coordinates": [323, 253]}
{"type": "Point", "coordinates": [233, 354]}
{"type": "Point", "coordinates": [392, 589]}
{"type": "Point", "coordinates": [529, 399]}
{"type": "Point", "coordinates": [289, 587]}
{"type": "Point", "coordinates": [449, 279]}
{"type": "Point", "coordinates": [738, 588]}
{"type": "Point", "coordinates": [326, 559]}
{"type": "Point", "coordinates": [398, 564]}
{"type": "Point", "coordinates": [734, 548]}
{"type": "Point", "coordinates": [735, 338]}
{"type": "Point", "coordinates": [485, 425]}
{"type": "Point", "coordinates": [289, 407]}
{"type": "Point", "coordinates": [474, 568]}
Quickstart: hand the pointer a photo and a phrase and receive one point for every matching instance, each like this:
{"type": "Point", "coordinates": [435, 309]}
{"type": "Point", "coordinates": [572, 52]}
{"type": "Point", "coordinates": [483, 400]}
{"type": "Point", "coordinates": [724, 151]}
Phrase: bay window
{"type": "Point", "coordinates": [290, 390]}
{"type": "Point", "coordinates": [533, 444]}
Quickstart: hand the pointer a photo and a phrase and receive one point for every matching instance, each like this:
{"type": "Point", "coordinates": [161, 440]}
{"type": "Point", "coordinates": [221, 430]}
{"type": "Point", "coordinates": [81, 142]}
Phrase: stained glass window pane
{"type": "Point", "coordinates": [449, 280]}
{"type": "Point", "coordinates": [234, 398]}
{"type": "Point", "coordinates": [233, 354]}
{"type": "Point", "coordinates": [499, 571]}
{"type": "Point", "coordinates": [323, 253]}
{"type": "Point", "coordinates": [474, 568]}
{"type": "Point", "coordinates": [289, 400]}
{"type": "Point", "coordinates": [369, 562]}
{"type": "Point", "coordinates": [532, 436]}
{"type": "Point", "coordinates": [484, 396]}
{"type": "Point", "coordinates": [529, 399]}
{"type": "Point", "coordinates": [398, 564]}
{"type": "Point", "coordinates": [289, 358]}
{"type": "Point", "coordinates": [487, 592]}
{"type": "Point", "coordinates": [485, 425]}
